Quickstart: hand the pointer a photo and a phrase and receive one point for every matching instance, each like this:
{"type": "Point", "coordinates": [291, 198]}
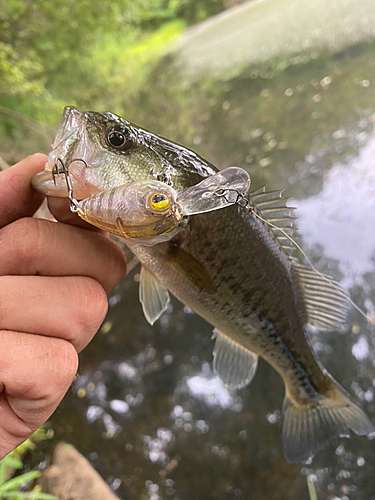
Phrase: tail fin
{"type": "Point", "coordinates": [307, 428]}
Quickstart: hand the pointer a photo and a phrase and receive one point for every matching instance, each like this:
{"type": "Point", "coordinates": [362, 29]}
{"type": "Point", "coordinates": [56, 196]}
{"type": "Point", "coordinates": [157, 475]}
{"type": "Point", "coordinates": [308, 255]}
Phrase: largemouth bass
{"type": "Point", "coordinates": [232, 266]}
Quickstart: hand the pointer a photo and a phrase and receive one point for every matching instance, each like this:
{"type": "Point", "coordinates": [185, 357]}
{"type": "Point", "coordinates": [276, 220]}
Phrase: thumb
{"type": "Point", "coordinates": [17, 197]}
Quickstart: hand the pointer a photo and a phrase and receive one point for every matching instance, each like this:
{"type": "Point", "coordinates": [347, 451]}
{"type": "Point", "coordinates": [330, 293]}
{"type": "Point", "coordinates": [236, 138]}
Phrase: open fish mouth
{"type": "Point", "coordinates": [73, 150]}
{"type": "Point", "coordinates": [52, 181]}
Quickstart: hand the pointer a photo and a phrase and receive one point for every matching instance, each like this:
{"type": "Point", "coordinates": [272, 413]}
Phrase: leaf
{"type": "Point", "coordinates": [16, 482]}
{"type": "Point", "coordinates": [312, 490]}
{"type": "Point", "coordinates": [27, 495]}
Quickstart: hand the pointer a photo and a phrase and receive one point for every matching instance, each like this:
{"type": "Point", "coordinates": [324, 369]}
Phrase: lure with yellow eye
{"type": "Point", "coordinates": [146, 210]}
{"type": "Point", "coordinates": [159, 201]}
{"type": "Point", "coordinates": [152, 211]}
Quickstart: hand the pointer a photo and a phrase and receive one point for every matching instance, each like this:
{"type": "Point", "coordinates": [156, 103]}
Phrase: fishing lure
{"type": "Point", "coordinates": [151, 211]}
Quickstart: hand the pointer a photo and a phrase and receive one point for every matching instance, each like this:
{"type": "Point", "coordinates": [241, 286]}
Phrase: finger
{"type": "Point", "coordinates": [71, 307]}
{"type": "Point", "coordinates": [29, 396]}
{"type": "Point", "coordinates": [59, 208]}
{"type": "Point", "coordinates": [38, 247]}
{"type": "Point", "coordinates": [17, 197]}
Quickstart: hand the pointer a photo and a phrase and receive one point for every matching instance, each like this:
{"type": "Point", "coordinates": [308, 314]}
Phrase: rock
{"type": "Point", "coordinates": [72, 477]}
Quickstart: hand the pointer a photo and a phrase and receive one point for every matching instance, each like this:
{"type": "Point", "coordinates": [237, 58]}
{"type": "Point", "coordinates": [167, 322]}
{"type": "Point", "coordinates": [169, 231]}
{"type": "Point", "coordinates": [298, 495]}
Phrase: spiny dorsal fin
{"type": "Point", "coordinates": [272, 207]}
{"type": "Point", "coordinates": [235, 365]}
{"type": "Point", "coordinates": [152, 295]}
{"type": "Point", "coordinates": [326, 302]}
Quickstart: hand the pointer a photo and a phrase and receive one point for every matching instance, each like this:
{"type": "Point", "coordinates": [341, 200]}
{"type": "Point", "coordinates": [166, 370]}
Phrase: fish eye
{"type": "Point", "coordinates": [159, 201]}
{"type": "Point", "coordinates": [119, 140]}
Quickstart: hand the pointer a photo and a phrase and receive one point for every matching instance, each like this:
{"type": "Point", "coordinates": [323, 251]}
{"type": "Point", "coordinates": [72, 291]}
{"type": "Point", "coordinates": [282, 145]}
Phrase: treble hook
{"type": "Point", "coordinates": [73, 203]}
{"type": "Point", "coordinates": [63, 169]}
{"type": "Point", "coordinates": [240, 200]}
{"type": "Point", "coordinates": [57, 170]}
{"type": "Point", "coordinates": [79, 159]}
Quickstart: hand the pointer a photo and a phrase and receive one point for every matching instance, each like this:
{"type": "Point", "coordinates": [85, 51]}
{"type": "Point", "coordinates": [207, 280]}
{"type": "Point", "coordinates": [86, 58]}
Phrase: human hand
{"type": "Point", "coordinates": [53, 283]}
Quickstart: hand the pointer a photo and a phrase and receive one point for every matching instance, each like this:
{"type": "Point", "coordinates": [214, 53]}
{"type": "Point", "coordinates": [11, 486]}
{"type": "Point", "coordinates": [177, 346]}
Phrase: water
{"type": "Point", "coordinates": [147, 410]}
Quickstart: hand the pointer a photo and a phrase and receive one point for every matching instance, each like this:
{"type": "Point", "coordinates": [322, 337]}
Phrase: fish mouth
{"type": "Point", "coordinates": [70, 150]}
{"type": "Point", "coordinates": [52, 181]}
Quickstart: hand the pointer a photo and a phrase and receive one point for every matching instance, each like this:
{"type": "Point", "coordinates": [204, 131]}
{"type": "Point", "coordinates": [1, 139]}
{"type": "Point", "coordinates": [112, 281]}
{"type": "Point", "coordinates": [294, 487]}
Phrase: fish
{"type": "Point", "coordinates": [234, 266]}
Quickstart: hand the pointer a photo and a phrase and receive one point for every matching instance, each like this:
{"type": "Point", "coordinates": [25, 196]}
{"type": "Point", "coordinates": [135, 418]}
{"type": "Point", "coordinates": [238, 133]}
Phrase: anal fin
{"type": "Point", "coordinates": [153, 296]}
{"type": "Point", "coordinates": [234, 364]}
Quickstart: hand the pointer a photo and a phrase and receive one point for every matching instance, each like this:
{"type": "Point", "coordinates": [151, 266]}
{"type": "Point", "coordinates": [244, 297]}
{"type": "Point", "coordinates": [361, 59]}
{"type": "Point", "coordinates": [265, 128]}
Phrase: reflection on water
{"type": "Point", "coordinates": [210, 389]}
{"type": "Point", "coordinates": [147, 409]}
{"type": "Point", "coordinates": [341, 217]}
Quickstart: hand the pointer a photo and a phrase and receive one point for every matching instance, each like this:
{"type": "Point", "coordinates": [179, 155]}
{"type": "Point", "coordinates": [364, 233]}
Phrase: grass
{"type": "Point", "coordinates": [12, 487]}
{"type": "Point", "coordinates": [311, 489]}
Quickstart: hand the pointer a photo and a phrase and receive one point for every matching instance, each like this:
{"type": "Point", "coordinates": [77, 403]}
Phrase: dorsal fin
{"type": "Point", "coordinates": [326, 302]}
{"type": "Point", "coordinates": [234, 364]}
{"type": "Point", "coordinates": [272, 207]}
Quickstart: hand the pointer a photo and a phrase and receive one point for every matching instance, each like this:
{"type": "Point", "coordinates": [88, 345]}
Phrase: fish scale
{"type": "Point", "coordinates": [235, 320]}
{"type": "Point", "coordinates": [233, 266]}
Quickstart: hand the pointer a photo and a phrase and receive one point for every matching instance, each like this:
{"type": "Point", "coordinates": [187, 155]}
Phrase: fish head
{"type": "Point", "coordinates": [103, 151]}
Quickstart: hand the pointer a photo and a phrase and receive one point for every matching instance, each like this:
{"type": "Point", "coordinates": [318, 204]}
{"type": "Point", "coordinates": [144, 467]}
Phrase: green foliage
{"type": "Point", "coordinates": [58, 51]}
{"type": "Point", "coordinates": [122, 70]}
{"type": "Point", "coordinates": [154, 12]}
{"type": "Point", "coordinates": [116, 68]}
{"type": "Point", "coordinates": [11, 486]}
{"type": "Point", "coordinates": [94, 55]}
{"type": "Point", "coordinates": [312, 490]}
{"type": "Point", "coordinates": [18, 72]}
{"type": "Point", "coordinates": [44, 42]}
{"type": "Point", "coordinates": [193, 11]}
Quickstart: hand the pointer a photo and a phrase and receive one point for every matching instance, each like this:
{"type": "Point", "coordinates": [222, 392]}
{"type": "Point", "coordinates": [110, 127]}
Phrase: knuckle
{"type": "Point", "coordinates": [97, 303]}
{"type": "Point", "coordinates": [42, 394]}
{"type": "Point", "coordinates": [35, 392]}
{"type": "Point", "coordinates": [61, 358]}
{"type": "Point", "coordinates": [93, 306]}
{"type": "Point", "coordinates": [118, 263]}
{"type": "Point", "coordinates": [24, 237]}
{"type": "Point", "coordinates": [4, 304]}
{"type": "Point", "coordinates": [64, 364]}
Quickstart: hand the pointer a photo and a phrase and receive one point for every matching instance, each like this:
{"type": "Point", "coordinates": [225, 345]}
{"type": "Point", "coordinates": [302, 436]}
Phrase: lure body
{"type": "Point", "coordinates": [152, 211]}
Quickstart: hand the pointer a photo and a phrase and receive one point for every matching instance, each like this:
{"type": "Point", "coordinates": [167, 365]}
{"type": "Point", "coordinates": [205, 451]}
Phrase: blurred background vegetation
{"type": "Point", "coordinates": [96, 55]}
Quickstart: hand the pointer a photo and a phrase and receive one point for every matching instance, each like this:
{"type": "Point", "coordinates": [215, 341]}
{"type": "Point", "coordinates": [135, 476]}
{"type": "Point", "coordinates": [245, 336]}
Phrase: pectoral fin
{"type": "Point", "coordinates": [234, 364]}
{"type": "Point", "coordinates": [153, 296]}
{"type": "Point", "coordinates": [190, 267]}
